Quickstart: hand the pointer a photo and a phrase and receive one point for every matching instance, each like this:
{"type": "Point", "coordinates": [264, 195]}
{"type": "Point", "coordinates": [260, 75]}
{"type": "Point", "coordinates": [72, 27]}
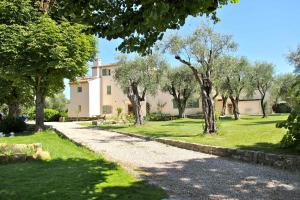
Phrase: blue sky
{"type": "Point", "coordinates": [266, 30]}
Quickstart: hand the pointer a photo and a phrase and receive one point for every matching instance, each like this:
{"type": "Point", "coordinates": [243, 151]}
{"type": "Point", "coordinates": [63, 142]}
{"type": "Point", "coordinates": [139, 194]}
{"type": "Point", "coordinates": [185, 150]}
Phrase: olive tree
{"type": "Point", "coordinates": [282, 87]}
{"type": "Point", "coordinates": [181, 84]}
{"type": "Point", "coordinates": [263, 76]}
{"type": "Point", "coordinates": [137, 77]}
{"type": "Point", "coordinates": [199, 53]}
{"type": "Point", "coordinates": [236, 78]}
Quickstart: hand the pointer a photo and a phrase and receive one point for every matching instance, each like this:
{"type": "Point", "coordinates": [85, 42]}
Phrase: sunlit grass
{"type": "Point", "coordinates": [250, 132]}
{"type": "Point", "coordinates": [73, 173]}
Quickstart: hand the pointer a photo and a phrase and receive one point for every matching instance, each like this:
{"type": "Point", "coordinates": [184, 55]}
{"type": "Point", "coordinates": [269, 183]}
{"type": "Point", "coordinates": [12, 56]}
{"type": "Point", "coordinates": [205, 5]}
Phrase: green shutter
{"type": "Point", "coordinates": [106, 109]}
{"type": "Point", "coordinates": [104, 72]}
{"type": "Point", "coordinates": [108, 90]}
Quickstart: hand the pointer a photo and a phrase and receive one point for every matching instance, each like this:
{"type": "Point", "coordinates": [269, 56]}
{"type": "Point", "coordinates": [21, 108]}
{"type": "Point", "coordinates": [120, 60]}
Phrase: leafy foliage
{"type": "Point", "coordinates": [263, 76]}
{"type": "Point", "coordinates": [283, 87]}
{"type": "Point", "coordinates": [50, 115]}
{"type": "Point", "coordinates": [181, 84]}
{"type": "Point", "coordinates": [281, 108]}
{"type": "Point", "coordinates": [57, 102]}
{"type": "Point", "coordinates": [292, 124]}
{"type": "Point", "coordinates": [232, 77]}
{"type": "Point", "coordinates": [139, 77]}
{"type": "Point", "coordinates": [199, 52]}
{"type": "Point", "coordinates": [139, 23]}
{"type": "Point", "coordinates": [41, 52]}
{"type": "Point", "coordinates": [14, 94]}
{"type": "Point", "coordinates": [294, 58]}
{"type": "Point", "coordinates": [159, 117]}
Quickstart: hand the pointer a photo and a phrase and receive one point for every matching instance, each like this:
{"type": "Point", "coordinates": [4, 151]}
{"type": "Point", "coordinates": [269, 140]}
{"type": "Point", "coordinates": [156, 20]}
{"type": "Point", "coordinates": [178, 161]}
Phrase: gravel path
{"type": "Point", "coordinates": [186, 174]}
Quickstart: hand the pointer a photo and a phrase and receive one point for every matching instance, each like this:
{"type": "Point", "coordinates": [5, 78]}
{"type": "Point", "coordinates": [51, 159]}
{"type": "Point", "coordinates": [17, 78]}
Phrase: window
{"type": "Point", "coordinates": [105, 72]}
{"type": "Point", "coordinates": [107, 109]}
{"type": "Point", "coordinates": [108, 90]}
{"type": "Point", "coordinates": [79, 89]}
{"type": "Point", "coordinates": [79, 108]}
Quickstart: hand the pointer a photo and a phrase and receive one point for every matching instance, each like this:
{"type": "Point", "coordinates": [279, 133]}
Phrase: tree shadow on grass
{"type": "Point", "coordinates": [71, 179]}
{"type": "Point", "coordinates": [219, 178]}
{"type": "Point", "coordinates": [269, 148]}
{"type": "Point", "coordinates": [263, 122]}
{"type": "Point", "coordinates": [179, 123]}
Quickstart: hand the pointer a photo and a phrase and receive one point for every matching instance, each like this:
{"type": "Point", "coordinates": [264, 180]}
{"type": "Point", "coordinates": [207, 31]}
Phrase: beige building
{"type": "Point", "coordinates": [98, 94]}
{"type": "Point", "coordinates": [101, 95]}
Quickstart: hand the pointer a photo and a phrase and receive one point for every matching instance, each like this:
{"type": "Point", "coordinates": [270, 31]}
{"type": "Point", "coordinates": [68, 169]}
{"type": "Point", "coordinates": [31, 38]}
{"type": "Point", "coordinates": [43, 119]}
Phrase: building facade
{"type": "Point", "coordinates": [99, 94]}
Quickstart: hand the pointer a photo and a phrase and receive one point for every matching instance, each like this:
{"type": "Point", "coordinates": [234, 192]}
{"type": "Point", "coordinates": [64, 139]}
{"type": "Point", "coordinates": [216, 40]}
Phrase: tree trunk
{"type": "Point", "coordinates": [263, 106]}
{"type": "Point", "coordinates": [235, 105]}
{"type": "Point", "coordinates": [224, 105]}
{"type": "Point", "coordinates": [208, 111]}
{"type": "Point", "coordinates": [181, 109]}
{"type": "Point", "coordinates": [39, 111]}
{"type": "Point", "coordinates": [14, 109]}
{"type": "Point", "coordinates": [136, 105]}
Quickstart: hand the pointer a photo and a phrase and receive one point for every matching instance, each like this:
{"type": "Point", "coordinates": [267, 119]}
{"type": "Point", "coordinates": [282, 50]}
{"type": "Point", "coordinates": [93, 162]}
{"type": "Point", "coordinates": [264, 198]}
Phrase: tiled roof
{"type": "Point", "coordinates": [107, 65]}
{"type": "Point", "coordinates": [83, 80]}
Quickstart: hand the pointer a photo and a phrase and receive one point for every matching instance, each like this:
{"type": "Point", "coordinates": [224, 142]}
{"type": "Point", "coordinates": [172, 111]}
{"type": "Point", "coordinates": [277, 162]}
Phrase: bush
{"type": "Point", "coordinates": [159, 117]}
{"type": "Point", "coordinates": [281, 108]}
{"type": "Point", "coordinates": [31, 113]}
{"type": "Point", "coordinates": [196, 116]}
{"type": "Point", "coordinates": [51, 115]}
{"type": "Point", "coordinates": [11, 124]}
{"type": "Point", "coordinates": [292, 124]}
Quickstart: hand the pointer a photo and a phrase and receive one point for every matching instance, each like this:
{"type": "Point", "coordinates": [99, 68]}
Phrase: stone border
{"type": "Point", "coordinates": [280, 161]}
{"type": "Point", "coordinates": [37, 147]}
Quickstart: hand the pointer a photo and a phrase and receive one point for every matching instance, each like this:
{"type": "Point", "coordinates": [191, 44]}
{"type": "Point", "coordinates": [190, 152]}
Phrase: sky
{"type": "Point", "coordinates": [265, 30]}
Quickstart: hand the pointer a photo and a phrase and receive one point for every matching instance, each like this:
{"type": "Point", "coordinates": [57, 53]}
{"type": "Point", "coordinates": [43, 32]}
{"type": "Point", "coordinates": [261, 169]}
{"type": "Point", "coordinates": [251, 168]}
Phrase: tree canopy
{"type": "Point", "coordinates": [199, 52]}
{"type": "Point", "coordinates": [42, 52]}
{"type": "Point", "coordinates": [181, 84]}
{"type": "Point", "coordinates": [138, 77]}
{"type": "Point", "coordinates": [263, 77]}
{"type": "Point", "coordinates": [139, 23]}
{"type": "Point", "coordinates": [233, 77]}
{"type": "Point", "coordinates": [294, 59]}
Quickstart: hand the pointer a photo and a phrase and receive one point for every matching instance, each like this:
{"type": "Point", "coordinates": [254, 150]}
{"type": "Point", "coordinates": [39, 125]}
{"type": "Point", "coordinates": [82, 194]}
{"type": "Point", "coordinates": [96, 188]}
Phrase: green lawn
{"type": "Point", "coordinates": [73, 173]}
{"type": "Point", "coordinates": [250, 132]}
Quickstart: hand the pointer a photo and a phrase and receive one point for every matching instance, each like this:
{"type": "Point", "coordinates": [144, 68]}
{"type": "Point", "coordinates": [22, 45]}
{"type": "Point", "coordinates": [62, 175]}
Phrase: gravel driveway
{"type": "Point", "coordinates": [186, 174]}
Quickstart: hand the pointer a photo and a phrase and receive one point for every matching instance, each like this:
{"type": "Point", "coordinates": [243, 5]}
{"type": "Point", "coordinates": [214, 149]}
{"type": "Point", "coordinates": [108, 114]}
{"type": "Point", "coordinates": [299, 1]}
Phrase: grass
{"type": "Point", "coordinates": [250, 132]}
{"type": "Point", "coordinates": [73, 173]}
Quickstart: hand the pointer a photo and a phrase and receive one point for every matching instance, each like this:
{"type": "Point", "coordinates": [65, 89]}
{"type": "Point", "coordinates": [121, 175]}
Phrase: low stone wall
{"type": "Point", "coordinates": [19, 156]}
{"type": "Point", "coordinates": [288, 162]}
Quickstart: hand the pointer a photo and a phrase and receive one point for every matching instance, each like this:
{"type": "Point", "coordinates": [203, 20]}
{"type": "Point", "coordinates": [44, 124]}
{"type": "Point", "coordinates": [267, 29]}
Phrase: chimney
{"type": "Point", "coordinates": [97, 62]}
{"type": "Point", "coordinates": [96, 67]}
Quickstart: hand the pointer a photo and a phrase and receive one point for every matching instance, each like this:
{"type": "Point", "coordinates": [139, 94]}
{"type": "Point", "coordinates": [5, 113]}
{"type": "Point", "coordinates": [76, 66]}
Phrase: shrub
{"type": "Point", "coordinates": [292, 124]}
{"type": "Point", "coordinates": [11, 124]}
{"type": "Point", "coordinates": [31, 113]}
{"type": "Point", "coordinates": [159, 117]}
{"type": "Point", "coordinates": [51, 115]}
{"type": "Point", "coordinates": [130, 118]}
{"type": "Point", "coordinates": [196, 116]}
{"type": "Point", "coordinates": [119, 111]}
{"type": "Point", "coordinates": [281, 108]}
